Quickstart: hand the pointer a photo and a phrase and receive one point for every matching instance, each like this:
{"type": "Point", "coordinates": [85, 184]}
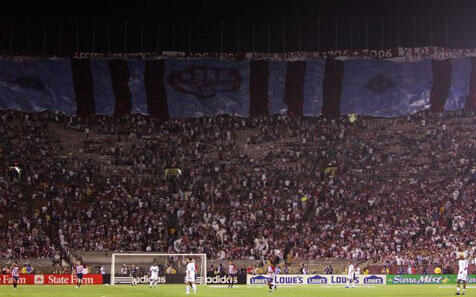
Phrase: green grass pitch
{"type": "Point", "coordinates": [238, 291]}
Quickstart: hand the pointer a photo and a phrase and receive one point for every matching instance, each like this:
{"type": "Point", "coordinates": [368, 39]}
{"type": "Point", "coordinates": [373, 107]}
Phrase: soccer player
{"type": "Point", "coordinates": [154, 275]}
{"type": "Point", "coordinates": [271, 271]}
{"type": "Point", "coordinates": [79, 274]}
{"type": "Point", "coordinates": [350, 275]}
{"type": "Point", "coordinates": [232, 270]}
{"type": "Point", "coordinates": [190, 276]}
{"type": "Point", "coordinates": [462, 273]}
{"type": "Point", "coordinates": [134, 272]}
{"type": "Point", "coordinates": [277, 271]}
{"type": "Point", "coordinates": [15, 270]}
{"type": "Point", "coordinates": [124, 269]}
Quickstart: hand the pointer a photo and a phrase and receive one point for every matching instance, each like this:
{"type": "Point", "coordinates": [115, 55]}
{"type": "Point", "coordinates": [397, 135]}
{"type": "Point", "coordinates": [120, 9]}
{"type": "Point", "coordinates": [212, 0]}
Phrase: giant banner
{"type": "Point", "coordinates": [315, 279]}
{"type": "Point", "coordinates": [52, 279]}
{"type": "Point", "coordinates": [184, 88]}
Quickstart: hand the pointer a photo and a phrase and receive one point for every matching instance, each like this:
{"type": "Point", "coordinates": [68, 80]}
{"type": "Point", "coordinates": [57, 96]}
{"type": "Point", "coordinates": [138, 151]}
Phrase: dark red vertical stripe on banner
{"type": "Point", "coordinates": [83, 86]}
{"type": "Point", "coordinates": [471, 99]}
{"type": "Point", "coordinates": [155, 89]}
{"type": "Point", "coordinates": [332, 87]}
{"type": "Point", "coordinates": [259, 74]}
{"type": "Point", "coordinates": [120, 86]}
{"type": "Point", "coordinates": [441, 84]}
{"type": "Point", "coordinates": [294, 83]}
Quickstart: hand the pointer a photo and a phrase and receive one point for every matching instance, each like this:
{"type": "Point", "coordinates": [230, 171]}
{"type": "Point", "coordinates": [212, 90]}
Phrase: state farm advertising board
{"type": "Point", "coordinates": [51, 279]}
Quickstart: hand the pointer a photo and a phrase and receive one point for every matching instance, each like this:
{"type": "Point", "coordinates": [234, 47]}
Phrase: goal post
{"type": "Point", "coordinates": [176, 262]}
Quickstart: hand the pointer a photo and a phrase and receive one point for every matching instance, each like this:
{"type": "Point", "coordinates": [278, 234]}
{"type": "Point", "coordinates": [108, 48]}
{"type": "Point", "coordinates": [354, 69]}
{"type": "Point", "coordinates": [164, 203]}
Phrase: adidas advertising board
{"type": "Point", "coordinates": [179, 278]}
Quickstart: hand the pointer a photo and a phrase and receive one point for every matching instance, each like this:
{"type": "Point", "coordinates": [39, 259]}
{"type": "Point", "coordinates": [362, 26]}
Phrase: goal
{"type": "Point", "coordinates": [174, 262]}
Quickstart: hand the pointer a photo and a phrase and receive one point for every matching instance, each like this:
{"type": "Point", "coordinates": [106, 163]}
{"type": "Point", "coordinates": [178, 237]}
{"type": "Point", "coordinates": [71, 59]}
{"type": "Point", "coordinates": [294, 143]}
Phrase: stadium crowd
{"type": "Point", "coordinates": [396, 191]}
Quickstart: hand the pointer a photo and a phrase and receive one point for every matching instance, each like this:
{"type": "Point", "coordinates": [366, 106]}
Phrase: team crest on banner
{"type": "Point", "coordinates": [205, 82]}
{"type": "Point", "coordinates": [380, 83]}
{"type": "Point", "coordinates": [207, 87]}
{"type": "Point", "coordinates": [27, 82]}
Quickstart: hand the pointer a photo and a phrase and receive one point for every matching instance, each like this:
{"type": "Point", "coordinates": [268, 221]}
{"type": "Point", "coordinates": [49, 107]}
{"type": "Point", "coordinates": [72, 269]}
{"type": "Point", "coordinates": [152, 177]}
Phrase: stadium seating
{"type": "Point", "coordinates": [388, 191]}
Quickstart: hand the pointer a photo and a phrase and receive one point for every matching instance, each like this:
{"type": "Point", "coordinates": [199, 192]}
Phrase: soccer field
{"type": "Point", "coordinates": [238, 291]}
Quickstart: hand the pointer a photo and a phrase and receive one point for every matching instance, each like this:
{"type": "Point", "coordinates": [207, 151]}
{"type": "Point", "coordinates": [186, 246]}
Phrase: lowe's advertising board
{"type": "Point", "coordinates": [315, 279]}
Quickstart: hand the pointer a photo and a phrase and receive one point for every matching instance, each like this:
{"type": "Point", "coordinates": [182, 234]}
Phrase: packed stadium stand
{"type": "Point", "coordinates": [396, 191]}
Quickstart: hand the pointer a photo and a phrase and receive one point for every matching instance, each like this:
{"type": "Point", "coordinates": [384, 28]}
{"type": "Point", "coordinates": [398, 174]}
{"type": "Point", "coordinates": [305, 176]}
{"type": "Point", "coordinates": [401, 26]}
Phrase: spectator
{"type": "Point", "coordinates": [124, 269]}
{"type": "Point", "coordinates": [286, 269]}
{"type": "Point", "coordinates": [328, 270]}
{"type": "Point", "coordinates": [211, 269]}
{"type": "Point", "coordinates": [170, 270]}
{"type": "Point", "coordinates": [401, 270]}
{"type": "Point", "coordinates": [250, 269]}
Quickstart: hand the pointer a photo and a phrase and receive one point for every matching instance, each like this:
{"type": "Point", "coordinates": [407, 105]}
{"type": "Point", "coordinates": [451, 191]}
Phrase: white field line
{"type": "Point", "coordinates": [454, 287]}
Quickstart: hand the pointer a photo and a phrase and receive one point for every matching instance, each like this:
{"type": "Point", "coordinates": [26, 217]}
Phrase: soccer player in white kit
{"type": "Point", "coordinates": [190, 277]}
{"type": "Point", "coordinates": [232, 270]}
{"type": "Point", "coordinates": [462, 273]}
{"type": "Point", "coordinates": [154, 275]}
{"type": "Point", "coordinates": [79, 274]}
{"type": "Point", "coordinates": [350, 275]}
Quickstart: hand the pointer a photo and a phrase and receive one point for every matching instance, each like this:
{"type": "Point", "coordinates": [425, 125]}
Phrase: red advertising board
{"type": "Point", "coordinates": [51, 279]}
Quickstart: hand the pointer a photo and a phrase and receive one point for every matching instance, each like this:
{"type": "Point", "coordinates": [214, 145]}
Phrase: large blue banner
{"type": "Point", "coordinates": [37, 85]}
{"type": "Point", "coordinates": [385, 89]}
{"type": "Point", "coordinates": [312, 89]}
{"type": "Point", "coordinates": [276, 87]}
{"type": "Point", "coordinates": [137, 86]}
{"type": "Point", "coordinates": [207, 88]}
{"type": "Point", "coordinates": [459, 88]}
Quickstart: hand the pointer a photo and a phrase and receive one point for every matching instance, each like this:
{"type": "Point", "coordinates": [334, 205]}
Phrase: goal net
{"type": "Point", "coordinates": [171, 267]}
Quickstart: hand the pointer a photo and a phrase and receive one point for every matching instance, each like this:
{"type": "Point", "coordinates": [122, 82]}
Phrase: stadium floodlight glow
{"type": "Point", "coordinates": [149, 258]}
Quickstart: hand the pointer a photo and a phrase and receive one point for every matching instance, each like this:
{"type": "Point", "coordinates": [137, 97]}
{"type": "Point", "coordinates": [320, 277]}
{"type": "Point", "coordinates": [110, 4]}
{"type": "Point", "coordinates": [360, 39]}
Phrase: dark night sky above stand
{"type": "Point", "coordinates": [245, 10]}
{"type": "Point", "coordinates": [205, 17]}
